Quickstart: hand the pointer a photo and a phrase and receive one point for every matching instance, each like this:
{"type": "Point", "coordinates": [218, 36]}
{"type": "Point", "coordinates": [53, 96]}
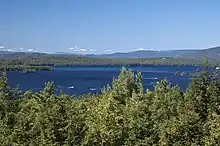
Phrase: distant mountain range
{"type": "Point", "coordinates": [146, 54]}
{"type": "Point", "coordinates": [211, 53]}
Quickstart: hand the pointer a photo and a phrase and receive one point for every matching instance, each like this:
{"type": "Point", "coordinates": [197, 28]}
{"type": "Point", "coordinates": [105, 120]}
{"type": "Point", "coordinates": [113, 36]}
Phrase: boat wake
{"type": "Point", "coordinates": [150, 78]}
{"type": "Point", "coordinates": [71, 87]}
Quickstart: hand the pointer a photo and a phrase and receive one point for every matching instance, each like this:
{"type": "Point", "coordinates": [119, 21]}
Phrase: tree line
{"type": "Point", "coordinates": [70, 60]}
{"type": "Point", "coordinates": [123, 114]}
{"type": "Point", "coordinates": [25, 68]}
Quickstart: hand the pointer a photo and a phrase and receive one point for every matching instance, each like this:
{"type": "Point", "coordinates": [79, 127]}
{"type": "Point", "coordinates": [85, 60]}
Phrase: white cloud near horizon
{"type": "Point", "coordinates": [75, 48]}
{"type": "Point", "coordinates": [10, 50]}
{"type": "Point", "coordinates": [92, 50]}
{"type": "Point", "coordinates": [83, 50]}
{"type": "Point", "coordinates": [141, 49]}
{"type": "Point", "coordinates": [32, 50]}
{"type": "Point", "coordinates": [78, 49]}
{"type": "Point", "coordinates": [2, 47]}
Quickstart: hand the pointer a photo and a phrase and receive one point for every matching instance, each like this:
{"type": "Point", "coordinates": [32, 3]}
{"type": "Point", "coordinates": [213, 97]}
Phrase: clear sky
{"type": "Point", "coordinates": [104, 26]}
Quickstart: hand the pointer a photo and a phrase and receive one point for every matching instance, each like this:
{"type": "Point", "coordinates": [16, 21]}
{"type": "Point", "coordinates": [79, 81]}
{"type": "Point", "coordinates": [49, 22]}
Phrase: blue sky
{"type": "Point", "coordinates": [105, 26]}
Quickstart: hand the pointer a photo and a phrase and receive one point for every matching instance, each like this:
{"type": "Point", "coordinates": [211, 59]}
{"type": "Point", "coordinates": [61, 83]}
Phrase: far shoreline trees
{"type": "Point", "coordinates": [48, 62]}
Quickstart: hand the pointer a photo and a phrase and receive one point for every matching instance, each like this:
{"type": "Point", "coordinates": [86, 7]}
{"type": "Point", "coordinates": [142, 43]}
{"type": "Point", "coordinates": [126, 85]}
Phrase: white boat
{"type": "Point", "coordinates": [217, 68]}
{"type": "Point", "coordinates": [71, 87]}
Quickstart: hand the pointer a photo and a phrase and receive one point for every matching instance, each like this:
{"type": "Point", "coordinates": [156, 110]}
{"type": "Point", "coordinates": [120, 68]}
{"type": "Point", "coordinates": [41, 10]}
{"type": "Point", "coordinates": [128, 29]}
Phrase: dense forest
{"type": "Point", "coordinates": [46, 61]}
{"type": "Point", "coordinates": [124, 114]}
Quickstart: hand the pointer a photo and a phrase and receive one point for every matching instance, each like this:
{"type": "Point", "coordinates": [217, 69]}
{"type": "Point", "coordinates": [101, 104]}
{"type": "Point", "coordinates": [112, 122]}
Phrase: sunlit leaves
{"type": "Point", "coordinates": [124, 114]}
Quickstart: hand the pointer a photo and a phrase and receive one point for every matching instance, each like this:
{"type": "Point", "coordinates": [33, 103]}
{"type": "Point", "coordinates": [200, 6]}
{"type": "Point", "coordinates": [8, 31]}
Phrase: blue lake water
{"type": "Point", "coordinates": [91, 79]}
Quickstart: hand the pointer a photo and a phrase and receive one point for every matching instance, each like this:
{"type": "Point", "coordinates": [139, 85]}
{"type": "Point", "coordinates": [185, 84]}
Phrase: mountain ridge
{"type": "Point", "coordinates": [212, 53]}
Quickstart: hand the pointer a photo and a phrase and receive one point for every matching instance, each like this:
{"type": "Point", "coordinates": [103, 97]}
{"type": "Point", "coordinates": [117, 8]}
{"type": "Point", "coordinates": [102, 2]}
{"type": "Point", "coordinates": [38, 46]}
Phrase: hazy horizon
{"type": "Point", "coordinates": [97, 27]}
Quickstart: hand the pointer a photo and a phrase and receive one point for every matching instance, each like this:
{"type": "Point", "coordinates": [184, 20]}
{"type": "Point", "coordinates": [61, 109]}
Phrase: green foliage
{"type": "Point", "coordinates": [124, 114]}
{"type": "Point", "coordinates": [4, 81]}
{"type": "Point", "coordinates": [24, 68]}
{"type": "Point", "coordinates": [32, 63]}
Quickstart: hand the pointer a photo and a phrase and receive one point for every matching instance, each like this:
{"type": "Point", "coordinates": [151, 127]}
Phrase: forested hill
{"type": "Point", "coordinates": [179, 57]}
{"type": "Point", "coordinates": [69, 60]}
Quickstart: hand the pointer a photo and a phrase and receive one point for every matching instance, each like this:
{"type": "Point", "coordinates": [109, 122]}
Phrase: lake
{"type": "Point", "coordinates": [82, 80]}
